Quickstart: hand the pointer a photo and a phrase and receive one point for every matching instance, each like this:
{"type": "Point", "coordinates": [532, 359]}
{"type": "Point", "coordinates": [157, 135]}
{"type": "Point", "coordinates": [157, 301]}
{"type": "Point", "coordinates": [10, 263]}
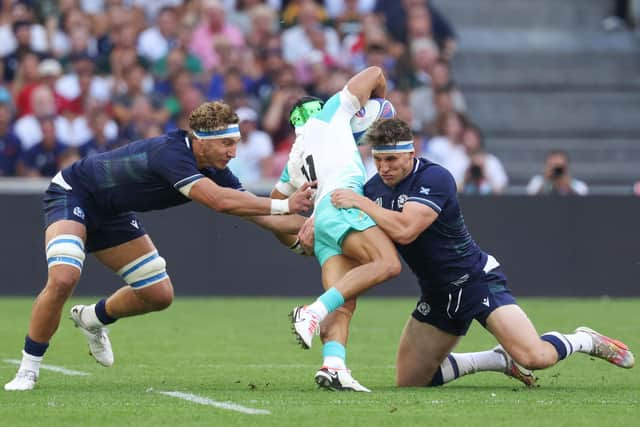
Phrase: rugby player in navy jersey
{"type": "Point", "coordinates": [414, 201]}
{"type": "Point", "coordinates": [89, 208]}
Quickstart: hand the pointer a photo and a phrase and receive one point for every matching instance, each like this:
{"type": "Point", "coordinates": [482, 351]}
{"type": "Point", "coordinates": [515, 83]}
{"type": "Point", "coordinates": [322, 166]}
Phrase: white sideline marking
{"type": "Point", "coordinates": [206, 401]}
{"type": "Point", "coordinates": [53, 368]}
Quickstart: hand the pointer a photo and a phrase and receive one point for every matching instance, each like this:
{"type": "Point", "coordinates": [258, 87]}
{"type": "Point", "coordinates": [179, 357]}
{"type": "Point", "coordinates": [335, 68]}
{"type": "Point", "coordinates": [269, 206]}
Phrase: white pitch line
{"type": "Point", "coordinates": [222, 405]}
{"type": "Point", "coordinates": [53, 368]}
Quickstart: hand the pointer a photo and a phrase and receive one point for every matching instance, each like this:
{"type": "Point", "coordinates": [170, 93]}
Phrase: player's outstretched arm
{"type": "Point", "coordinates": [368, 83]}
{"type": "Point", "coordinates": [401, 227]}
{"type": "Point", "coordinates": [242, 203]}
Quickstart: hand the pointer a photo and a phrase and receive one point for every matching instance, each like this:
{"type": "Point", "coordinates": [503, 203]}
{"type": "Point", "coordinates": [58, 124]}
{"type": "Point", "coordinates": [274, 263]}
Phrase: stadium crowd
{"type": "Point", "coordinates": [84, 76]}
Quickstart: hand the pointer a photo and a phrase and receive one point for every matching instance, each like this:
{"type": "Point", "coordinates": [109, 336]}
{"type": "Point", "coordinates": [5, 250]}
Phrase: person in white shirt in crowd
{"type": "Point", "coordinates": [297, 41]}
{"type": "Point", "coordinates": [447, 148]}
{"type": "Point", "coordinates": [155, 42]}
{"type": "Point", "coordinates": [254, 148]}
{"type": "Point", "coordinates": [556, 178]}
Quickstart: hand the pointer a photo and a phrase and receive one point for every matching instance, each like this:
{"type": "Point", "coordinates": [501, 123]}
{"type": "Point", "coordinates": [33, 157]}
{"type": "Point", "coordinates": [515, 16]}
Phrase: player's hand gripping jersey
{"type": "Point", "coordinates": [325, 151]}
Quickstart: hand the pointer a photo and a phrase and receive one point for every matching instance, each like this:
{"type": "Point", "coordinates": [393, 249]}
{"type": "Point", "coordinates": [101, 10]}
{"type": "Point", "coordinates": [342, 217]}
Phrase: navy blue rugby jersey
{"type": "Point", "coordinates": [445, 252]}
{"type": "Point", "coordinates": [143, 175]}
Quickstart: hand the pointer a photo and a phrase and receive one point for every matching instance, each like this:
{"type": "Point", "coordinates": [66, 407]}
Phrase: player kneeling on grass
{"type": "Point", "coordinates": [414, 201]}
{"type": "Point", "coordinates": [88, 207]}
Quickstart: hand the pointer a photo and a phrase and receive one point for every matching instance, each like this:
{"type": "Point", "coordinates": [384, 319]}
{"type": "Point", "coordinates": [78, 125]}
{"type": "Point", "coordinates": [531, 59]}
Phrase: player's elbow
{"type": "Point", "coordinates": [404, 237]}
{"type": "Point", "coordinates": [221, 204]}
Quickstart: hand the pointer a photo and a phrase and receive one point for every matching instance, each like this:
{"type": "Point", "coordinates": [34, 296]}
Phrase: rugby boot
{"type": "Point", "coordinates": [304, 325]}
{"type": "Point", "coordinates": [515, 371]}
{"type": "Point", "coordinates": [338, 380]}
{"type": "Point", "coordinates": [609, 349]}
{"type": "Point", "coordinates": [97, 337]}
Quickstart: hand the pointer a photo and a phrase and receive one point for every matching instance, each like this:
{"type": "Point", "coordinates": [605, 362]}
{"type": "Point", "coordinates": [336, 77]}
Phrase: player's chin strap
{"type": "Point", "coordinates": [230, 131]}
{"type": "Point", "coordinates": [399, 147]}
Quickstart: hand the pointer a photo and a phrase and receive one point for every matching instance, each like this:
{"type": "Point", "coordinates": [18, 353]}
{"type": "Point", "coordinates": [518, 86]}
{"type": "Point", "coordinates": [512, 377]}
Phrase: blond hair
{"type": "Point", "coordinates": [211, 116]}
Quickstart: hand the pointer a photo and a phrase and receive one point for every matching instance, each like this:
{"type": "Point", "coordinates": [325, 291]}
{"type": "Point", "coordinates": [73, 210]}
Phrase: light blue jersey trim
{"type": "Point", "coordinates": [284, 176]}
{"type": "Point", "coordinates": [140, 264]}
{"type": "Point", "coordinates": [329, 110]}
{"type": "Point", "coordinates": [64, 260]}
{"type": "Point", "coordinates": [56, 241]}
{"type": "Point", "coordinates": [187, 180]}
{"type": "Point", "coordinates": [151, 280]}
{"type": "Point", "coordinates": [425, 202]}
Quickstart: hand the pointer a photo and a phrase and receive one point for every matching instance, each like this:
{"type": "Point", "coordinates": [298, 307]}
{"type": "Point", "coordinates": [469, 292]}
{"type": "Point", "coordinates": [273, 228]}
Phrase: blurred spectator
{"type": "Point", "coordinates": [178, 60]}
{"type": "Point", "coordinates": [447, 149]}
{"type": "Point", "coordinates": [347, 14]}
{"type": "Point", "coordinates": [141, 117]}
{"type": "Point", "coordinates": [395, 17]}
{"type": "Point", "coordinates": [26, 77]}
{"type": "Point", "coordinates": [20, 31]}
{"type": "Point", "coordinates": [556, 178]}
{"type": "Point", "coordinates": [134, 86]}
{"type": "Point", "coordinates": [14, 61]}
{"type": "Point", "coordinates": [636, 189]}
{"type": "Point", "coordinates": [253, 151]}
{"type": "Point", "coordinates": [485, 173]}
{"type": "Point", "coordinates": [309, 35]}
{"type": "Point", "coordinates": [155, 42]}
{"type": "Point", "coordinates": [10, 149]}
{"type": "Point", "coordinates": [27, 128]}
{"type": "Point", "coordinates": [263, 25]}
{"type": "Point", "coordinates": [213, 23]}
{"type": "Point", "coordinates": [293, 9]}
{"type": "Point", "coordinates": [103, 131]}
{"type": "Point", "coordinates": [81, 83]}
{"type": "Point", "coordinates": [424, 55]}
{"type": "Point", "coordinates": [42, 159]}
{"type": "Point", "coordinates": [275, 120]}
{"type": "Point", "coordinates": [49, 70]}
{"type": "Point", "coordinates": [422, 97]}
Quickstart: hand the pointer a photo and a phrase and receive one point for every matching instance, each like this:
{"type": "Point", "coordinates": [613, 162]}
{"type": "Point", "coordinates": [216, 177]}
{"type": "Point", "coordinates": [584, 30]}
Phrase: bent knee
{"type": "Point", "coordinates": [60, 285]}
{"type": "Point", "coordinates": [390, 267]}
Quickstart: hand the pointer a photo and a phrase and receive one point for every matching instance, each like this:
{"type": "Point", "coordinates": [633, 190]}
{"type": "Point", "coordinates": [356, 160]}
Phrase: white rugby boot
{"type": "Point", "coordinates": [97, 337]}
{"type": "Point", "coordinates": [609, 349]}
{"type": "Point", "coordinates": [338, 380]}
{"type": "Point", "coordinates": [25, 380]}
{"type": "Point", "coordinates": [304, 325]}
{"type": "Point", "coordinates": [515, 371]}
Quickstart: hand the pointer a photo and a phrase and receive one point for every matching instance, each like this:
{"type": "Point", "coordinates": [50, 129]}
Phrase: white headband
{"type": "Point", "coordinates": [399, 147]}
{"type": "Point", "coordinates": [231, 131]}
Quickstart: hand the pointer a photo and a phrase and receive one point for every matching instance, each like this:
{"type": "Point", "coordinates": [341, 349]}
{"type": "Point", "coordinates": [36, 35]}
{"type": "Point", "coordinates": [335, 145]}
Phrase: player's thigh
{"type": "Point", "coordinates": [369, 245]}
{"type": "Point", "coordinates": [139, 256]}
{"type": "Point", "coordinates": [422, 349]}
{"type": "Point", "coordinates": [515, 332]}
{"type": "Point", "coordinates": [64, 247]}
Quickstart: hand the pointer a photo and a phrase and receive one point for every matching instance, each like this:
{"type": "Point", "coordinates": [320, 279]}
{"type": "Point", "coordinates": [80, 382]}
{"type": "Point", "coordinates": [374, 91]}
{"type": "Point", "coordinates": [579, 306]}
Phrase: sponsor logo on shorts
{"type": "Point", "coordinates": [135, 223]}
{"type": "Point", "coordinates": [423, 308]}
{"type": "Point", "coordinates": [485, 301]}
{"type": "Point", "coordinates": [77, 211]}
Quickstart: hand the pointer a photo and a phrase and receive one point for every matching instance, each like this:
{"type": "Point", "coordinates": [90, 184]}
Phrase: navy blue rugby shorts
{"type": "Point", "coordinates": [452, 309]}
{"type": "Point", "coordinates": [103, 231]}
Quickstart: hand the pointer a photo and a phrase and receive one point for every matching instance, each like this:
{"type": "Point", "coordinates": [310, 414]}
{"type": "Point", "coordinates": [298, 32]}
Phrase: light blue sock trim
{"type": "Point", "coordinates": [331, 299]}
{"type": "Point", "coordinates": [335, 349]}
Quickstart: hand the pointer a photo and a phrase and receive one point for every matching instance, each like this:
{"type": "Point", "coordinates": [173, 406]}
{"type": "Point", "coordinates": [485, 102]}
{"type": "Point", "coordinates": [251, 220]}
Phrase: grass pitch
{"type": "Point", "coordinates": [237, 358]}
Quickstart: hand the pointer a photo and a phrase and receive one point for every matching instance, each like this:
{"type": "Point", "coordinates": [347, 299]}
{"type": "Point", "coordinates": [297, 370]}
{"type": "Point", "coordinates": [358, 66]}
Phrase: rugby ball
{"type": "Point", "coordinates": [374, 109]}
